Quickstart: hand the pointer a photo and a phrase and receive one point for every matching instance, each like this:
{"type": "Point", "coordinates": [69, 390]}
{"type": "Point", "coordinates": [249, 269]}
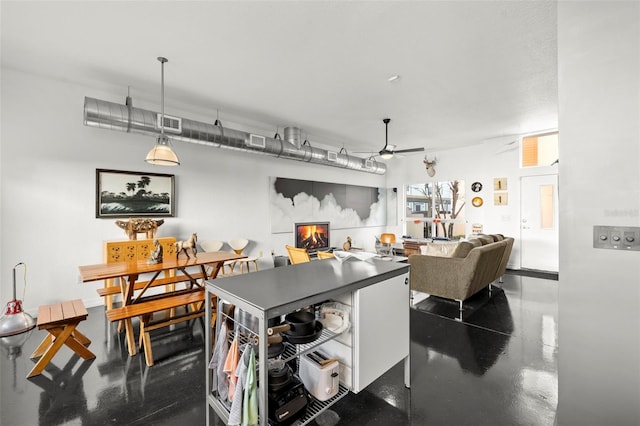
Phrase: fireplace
{"type": "Point", "coordinates": [312, 236]}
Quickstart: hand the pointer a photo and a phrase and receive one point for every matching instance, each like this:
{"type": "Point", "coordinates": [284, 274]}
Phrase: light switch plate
{"type": "Point", "coordinates": [616, 237]}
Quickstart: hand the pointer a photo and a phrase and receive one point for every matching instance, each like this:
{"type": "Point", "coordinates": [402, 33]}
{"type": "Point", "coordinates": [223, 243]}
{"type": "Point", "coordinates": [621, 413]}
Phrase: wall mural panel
{"type": "Point", "coordinates": [345, 206]}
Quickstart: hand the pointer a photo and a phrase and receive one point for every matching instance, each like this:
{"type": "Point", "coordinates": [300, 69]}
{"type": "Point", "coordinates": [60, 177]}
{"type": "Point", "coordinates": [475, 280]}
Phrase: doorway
{"type": "Point", "coordinates": [539, 236]}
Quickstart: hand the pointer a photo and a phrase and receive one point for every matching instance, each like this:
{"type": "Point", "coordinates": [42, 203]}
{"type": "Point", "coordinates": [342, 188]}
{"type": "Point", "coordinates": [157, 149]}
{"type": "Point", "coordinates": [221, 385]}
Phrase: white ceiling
{"type": "Point", "coordinates": [470, 71]}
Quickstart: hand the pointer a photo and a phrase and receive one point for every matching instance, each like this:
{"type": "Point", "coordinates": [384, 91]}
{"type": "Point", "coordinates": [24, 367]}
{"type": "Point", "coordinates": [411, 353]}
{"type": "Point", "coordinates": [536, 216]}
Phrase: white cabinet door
{"type": "Point", "coordinates": [381, 329]}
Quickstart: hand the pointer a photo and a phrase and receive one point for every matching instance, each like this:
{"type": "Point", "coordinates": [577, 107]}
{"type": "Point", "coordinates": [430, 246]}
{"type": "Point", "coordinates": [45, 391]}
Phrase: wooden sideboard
{"type": "Point", "coordinates": [134, 250]}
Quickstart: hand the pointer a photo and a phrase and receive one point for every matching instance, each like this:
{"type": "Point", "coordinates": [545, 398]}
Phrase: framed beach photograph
{"type": "Point", "coordinates": [128, 194]}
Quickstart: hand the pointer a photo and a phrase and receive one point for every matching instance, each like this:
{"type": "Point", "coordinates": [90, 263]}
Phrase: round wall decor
{"type": "Point", "coordinates": [477, 201]}
{"type": "Point", "coordinates": [476, 187]}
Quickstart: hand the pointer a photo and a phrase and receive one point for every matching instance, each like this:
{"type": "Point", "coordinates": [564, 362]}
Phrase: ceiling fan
{"type": "Point", "coordinates": [389, 150]}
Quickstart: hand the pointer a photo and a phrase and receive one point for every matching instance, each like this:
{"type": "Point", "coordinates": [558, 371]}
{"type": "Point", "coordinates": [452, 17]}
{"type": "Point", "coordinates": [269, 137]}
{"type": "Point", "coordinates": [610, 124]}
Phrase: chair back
{"type": "Point", "coordinates": [325, 255]}
{"type": "Point", "coordinates": [298, 255]}
{"type": "Point", "coordinates": [388, 238]}
{"type": "Point", "coordinates": [238, 244]}
{"type": "Point", "coordinates": [211, 245]}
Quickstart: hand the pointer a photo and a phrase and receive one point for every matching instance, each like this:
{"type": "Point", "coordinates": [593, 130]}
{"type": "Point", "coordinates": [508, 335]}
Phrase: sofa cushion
{"type": "Point", "coordinates": [464, 247]}
{"type": "Point", "coordinates": [485, 239]}
{"type": "Point", "coordinates": [497, 237]}
{"type": "Point", "coordinates": [442, 248]}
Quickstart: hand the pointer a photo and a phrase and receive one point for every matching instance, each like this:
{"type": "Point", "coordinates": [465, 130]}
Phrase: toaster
{"type": "Point", "coordinates": [320, 375]}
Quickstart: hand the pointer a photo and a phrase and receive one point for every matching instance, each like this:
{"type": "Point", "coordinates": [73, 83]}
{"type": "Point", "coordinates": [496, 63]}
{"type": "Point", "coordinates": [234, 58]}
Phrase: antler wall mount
{"type": "Point", "coordinates": [431, 171]}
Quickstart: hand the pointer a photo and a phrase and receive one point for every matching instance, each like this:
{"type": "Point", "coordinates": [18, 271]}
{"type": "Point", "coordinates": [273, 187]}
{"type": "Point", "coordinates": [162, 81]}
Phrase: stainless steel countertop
{"type": "Point", "coordinates": [280, 290]}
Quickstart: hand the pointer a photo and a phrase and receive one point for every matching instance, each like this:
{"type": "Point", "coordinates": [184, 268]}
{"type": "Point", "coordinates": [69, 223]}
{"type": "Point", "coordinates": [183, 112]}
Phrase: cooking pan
{"type": "Point", "coordinates": [299, 323]}
{"type": "Point", "coordinates": [295, 339]}
{"type": "Point", "coordinates": [275, 347]}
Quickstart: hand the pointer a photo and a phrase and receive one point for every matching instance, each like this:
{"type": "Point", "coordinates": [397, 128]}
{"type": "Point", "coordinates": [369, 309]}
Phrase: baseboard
{"type": "Point", "coordinates": [548, 275]}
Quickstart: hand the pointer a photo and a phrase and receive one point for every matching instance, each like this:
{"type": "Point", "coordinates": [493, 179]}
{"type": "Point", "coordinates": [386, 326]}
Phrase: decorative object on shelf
{"type": "Point", "coordinates": [477, 201]}
{"type": "Point", "coordinates": [135, 226]}
{"type": "Point", "coordinates": [431, 171]}
{"type": "Point", "coordinates": [15, 320]}
{"type": "Point", "coordinates": [476, 228]}
{"type": "Point", "coordinates": [347, 244]}
{"type": "Point", "coordinates": [162, 154]}
{"type": "Point", "coordinates": [476, 187]}
{"type": "Point", "coordinates": [186, 245]}
{"type": "Point", "coordinates": [129, 194]}
{"type": "Point", "coordinates": [500, 198]}
{"type": "Point", "coordinates": [156, 255]}
{"type": "Point", "coordinates": [500, 184]}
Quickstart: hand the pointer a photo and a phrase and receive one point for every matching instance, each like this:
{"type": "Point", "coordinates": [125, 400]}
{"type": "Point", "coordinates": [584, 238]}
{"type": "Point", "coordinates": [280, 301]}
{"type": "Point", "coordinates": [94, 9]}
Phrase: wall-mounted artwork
{"type": "Point", "coordinates": [500, 184]}
{"type": "Point", "coordinates": [345, 206]}
{"type": "Point", "coordinates": [500, 198]}
{"type": "Point", "coordinates": [127, 194]}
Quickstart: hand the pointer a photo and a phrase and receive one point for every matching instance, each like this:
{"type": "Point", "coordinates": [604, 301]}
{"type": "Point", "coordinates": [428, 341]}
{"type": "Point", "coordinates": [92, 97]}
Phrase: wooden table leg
{"type": "Point", "coordinates": [56, 344]}
{"type": "Point", "coordinates": [131, 339]}
{"type": "Point", "coordinates": [81, 337]}
{"type": "Point", "coordinates": [46, 342]}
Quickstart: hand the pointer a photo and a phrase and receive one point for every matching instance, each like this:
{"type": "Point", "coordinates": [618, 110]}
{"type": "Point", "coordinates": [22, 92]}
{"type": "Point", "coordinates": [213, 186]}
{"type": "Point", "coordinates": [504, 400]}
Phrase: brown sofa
{"type": "Point", "coordinates": [472, 266]}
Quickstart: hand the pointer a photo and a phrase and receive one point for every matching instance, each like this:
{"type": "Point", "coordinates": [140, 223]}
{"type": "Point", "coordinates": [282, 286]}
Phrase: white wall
{"type": "Point", "coordinates": [599, 326]}
{"type": "Point", "coordinates": [479, 163]}
{"type": "Point", "coordinates": [48, 161]}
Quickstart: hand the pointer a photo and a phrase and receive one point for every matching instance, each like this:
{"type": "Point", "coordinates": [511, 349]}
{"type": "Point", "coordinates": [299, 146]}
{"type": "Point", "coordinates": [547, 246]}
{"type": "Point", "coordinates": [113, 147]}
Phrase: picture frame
{"type": "Point", "coordinates": [134, 194]}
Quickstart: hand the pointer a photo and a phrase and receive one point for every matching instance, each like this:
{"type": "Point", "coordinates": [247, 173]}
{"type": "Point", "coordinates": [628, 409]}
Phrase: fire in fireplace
{"type": "Point", "coordinates": [312, 236]}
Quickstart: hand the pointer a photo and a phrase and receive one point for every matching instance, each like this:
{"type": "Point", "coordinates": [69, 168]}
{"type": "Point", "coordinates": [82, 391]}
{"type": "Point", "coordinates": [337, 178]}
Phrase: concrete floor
{"type": "Point", "coordinates": [496, 366]}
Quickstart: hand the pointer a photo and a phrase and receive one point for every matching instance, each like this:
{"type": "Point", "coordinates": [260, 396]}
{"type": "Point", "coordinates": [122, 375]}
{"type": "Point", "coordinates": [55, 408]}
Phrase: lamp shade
{"type": "Point", "coordinates": [386, 154]}
{"type": "Point", "coordinates": [162, 154]}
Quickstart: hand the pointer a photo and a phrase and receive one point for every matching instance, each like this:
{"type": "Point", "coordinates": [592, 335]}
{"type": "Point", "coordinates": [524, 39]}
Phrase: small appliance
{"type": "Point", "coordinates": [320, 375]}
{"type": "Point", "coordinates": [288, 403]}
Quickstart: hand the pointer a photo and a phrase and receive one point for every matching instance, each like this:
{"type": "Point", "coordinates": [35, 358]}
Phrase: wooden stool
{"type": "Point", "coordinates": [60, 320]}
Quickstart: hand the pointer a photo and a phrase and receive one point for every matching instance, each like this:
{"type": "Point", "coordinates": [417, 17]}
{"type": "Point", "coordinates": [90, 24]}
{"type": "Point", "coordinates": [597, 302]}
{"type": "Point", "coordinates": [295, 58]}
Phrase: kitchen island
{"type": "Point", "coordinates": [377, 292]}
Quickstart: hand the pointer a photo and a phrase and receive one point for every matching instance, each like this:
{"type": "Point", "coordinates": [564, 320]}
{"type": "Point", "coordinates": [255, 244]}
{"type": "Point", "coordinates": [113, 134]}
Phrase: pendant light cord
{"type": "Point", "coordinates": [162, 61]}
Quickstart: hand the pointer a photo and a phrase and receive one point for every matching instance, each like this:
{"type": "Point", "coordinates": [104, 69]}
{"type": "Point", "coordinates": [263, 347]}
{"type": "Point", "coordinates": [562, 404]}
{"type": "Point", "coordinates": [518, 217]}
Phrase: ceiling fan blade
{"type": "Point", "coordinates": [408, 150]}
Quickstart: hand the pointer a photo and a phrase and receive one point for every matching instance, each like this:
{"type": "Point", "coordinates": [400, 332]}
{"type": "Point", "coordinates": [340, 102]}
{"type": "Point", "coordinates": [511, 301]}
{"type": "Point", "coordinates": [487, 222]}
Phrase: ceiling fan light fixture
{"type": "Point", "coordinates": [385, 154]}
{"type": "Point", "coordinates": [162, 154]}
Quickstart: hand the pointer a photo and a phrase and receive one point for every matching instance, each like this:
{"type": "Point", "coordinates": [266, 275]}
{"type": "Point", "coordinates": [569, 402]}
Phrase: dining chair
{"type": "Point", "coordinates": [298, 255]}
{"type": "Point", "coordinates": [325, 255]}
{"type": "Point", "coordinates": [238, 245]}
{"type": "Point", "coordinates": [388, 239]}
{"type": "Point", "coordinates": [216, 245]}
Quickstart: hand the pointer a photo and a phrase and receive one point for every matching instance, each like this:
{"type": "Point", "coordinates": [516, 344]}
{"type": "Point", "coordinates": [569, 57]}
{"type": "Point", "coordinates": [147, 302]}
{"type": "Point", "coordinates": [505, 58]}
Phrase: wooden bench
{"type": "Point", "coordinates": [60, 320]}
{"type": "Point", "coordinates": [192, 299]}
{"type": "Point", "coordinates": [115, 289]}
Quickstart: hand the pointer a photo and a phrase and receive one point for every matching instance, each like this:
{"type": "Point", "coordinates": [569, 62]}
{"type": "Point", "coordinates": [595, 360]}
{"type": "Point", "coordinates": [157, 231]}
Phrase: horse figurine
{"type": "Point", "coordinates": [187, 244]}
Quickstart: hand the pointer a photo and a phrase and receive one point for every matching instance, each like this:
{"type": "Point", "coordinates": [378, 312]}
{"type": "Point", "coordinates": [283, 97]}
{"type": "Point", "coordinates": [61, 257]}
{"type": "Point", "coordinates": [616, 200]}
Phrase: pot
{"type": "Point", "coordinates": [299, 323]}
{"type": "Point", "coordinates": [279, 376]}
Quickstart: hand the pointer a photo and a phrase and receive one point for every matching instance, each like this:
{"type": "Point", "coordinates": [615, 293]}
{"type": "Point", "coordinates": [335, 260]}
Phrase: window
{"type": "Point", "coordinates": [435, 210]}
{"type": "Point", "coordinates": [539, 150]}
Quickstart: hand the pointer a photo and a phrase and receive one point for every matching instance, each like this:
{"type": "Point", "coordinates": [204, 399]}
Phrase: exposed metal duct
{"type": "Point", "coordinates": [126, 118]}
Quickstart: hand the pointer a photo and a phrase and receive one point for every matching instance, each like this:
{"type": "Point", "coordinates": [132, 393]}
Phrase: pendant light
{"type": "Point", "coordinates": [162, 154]}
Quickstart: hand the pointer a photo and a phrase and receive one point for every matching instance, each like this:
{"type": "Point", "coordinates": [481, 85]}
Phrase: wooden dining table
{"type": "Point", "coordinates": [128, 274]}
